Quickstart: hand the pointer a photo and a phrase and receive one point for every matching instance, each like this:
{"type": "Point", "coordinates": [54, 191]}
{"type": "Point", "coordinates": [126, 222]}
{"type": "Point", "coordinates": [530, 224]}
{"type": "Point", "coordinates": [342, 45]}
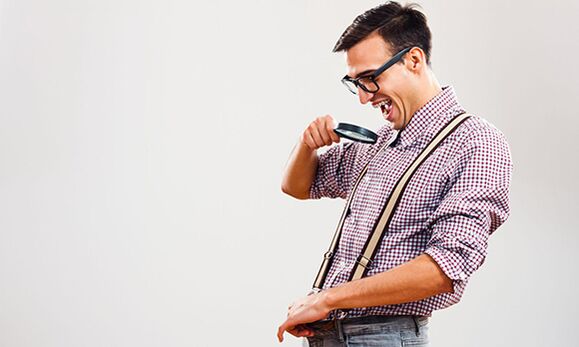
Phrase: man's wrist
{"type": "Point", "coordinates": [328, 299]}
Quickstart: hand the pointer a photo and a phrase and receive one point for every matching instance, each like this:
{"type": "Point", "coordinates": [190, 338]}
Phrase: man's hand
{"type": "Point", "coordinates": [320, 133]}
{"type": "Point", "coordinates": [305, 310]}
{"type": "Point", "coordinates": [303, 162]}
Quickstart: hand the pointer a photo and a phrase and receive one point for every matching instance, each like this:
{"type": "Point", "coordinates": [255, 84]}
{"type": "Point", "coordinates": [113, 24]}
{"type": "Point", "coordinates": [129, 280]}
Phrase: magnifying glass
{"type": "Point", "coordinates": [355, 133]}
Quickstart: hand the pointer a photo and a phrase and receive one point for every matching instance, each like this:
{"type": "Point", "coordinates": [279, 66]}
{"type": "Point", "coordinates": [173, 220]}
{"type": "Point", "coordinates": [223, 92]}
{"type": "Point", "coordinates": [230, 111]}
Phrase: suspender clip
{"type": "Point", "coordinates": [365, 262]}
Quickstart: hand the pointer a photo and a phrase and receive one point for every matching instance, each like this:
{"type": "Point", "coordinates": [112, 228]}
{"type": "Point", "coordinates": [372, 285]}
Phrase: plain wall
{"type": "Point", "coordinates": [142, 145]}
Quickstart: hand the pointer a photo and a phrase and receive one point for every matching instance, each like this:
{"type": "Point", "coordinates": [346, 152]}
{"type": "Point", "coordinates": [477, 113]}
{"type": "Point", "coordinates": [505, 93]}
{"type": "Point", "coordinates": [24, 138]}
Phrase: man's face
{"type": "Point", "coordinates": [394, 98]}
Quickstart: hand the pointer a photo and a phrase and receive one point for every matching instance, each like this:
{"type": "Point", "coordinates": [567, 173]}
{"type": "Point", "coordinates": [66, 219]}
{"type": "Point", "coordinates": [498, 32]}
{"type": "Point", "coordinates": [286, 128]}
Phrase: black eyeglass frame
{"type": "Point", "coordinates": [347, 79]}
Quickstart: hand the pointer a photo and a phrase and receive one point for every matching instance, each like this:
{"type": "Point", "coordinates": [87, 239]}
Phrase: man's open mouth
{"type": "Point", "coordinates": [386, 108]}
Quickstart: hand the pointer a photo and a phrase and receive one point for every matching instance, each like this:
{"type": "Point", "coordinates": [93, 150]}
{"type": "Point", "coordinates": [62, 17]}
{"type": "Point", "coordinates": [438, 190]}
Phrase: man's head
{"type": "Point", "coordinates": [372, 40]}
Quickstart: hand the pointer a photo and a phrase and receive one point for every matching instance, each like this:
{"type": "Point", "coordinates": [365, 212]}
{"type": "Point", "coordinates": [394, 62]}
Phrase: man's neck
{"type": "Point", "coordinates": [431, 89]}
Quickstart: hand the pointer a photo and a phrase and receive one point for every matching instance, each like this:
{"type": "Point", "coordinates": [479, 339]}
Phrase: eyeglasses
{"type": "Point", "coordinates": [368, 83]}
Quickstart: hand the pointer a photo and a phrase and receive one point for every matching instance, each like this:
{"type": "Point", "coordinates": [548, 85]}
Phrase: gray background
{"type": "Point", "coordinates": [142, 145]}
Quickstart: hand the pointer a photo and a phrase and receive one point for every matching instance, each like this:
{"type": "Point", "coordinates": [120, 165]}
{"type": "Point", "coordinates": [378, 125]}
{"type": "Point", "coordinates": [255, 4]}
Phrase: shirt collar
{"type": "Point", "coordinates": [430, 117]}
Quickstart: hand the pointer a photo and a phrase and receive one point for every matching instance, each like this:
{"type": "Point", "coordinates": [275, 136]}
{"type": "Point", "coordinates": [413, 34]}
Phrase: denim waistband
{"type": "Point", "coordinates": [365, 325]}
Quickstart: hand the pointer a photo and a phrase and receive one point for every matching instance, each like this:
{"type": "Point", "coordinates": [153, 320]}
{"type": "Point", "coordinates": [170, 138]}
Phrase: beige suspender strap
{"type": "Point", "coordinates": [365, 259]}
{"type": "Point", "coordinates": [327, 261]}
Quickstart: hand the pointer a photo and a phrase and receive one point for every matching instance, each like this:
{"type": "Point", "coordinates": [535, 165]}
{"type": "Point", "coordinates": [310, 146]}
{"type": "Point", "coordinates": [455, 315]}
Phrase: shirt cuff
{"type": "Point", "coordinates": [451, 263]}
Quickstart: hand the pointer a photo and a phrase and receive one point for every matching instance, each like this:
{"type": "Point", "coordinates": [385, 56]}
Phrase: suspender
{"type": "Point", "coordinates": [328, 256]}
{"type": "Point", "coordinates": [364, 261]}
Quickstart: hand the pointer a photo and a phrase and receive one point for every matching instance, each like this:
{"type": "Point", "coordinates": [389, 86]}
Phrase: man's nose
{"type": "Point", "coordinates": [364, 96]}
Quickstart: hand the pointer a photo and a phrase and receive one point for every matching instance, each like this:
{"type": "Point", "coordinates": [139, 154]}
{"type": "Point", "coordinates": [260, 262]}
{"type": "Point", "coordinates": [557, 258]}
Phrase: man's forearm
{"type": "Point", "coordinates": [300, 171]}
{"type": "Point", "coordinates": [415, 280]}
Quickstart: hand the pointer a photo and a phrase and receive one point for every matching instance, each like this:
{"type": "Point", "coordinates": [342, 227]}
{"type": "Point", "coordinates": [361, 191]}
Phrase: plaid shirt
{"type": "Point", "coordinates": [456, 199]}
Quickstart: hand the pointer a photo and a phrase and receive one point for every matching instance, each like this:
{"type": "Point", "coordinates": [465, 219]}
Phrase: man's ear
{"type": "Point", "coordinates": [415, 59]}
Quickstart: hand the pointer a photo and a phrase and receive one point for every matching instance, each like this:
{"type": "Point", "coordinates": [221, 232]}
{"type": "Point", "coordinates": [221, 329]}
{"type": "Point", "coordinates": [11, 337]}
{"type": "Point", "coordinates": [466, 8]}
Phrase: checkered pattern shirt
{"type": "Point", "coordinates": [455, 200]}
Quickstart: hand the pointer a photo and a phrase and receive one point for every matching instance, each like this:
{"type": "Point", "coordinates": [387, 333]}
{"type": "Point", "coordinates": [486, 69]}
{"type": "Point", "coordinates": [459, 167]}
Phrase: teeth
{"type": "Point", "coordinates": [385, 103]}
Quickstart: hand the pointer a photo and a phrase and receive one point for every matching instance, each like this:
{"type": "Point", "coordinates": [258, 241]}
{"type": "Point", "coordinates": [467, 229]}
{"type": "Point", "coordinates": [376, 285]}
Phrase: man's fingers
{"type": "Point", "coordinates": [294, 331]}
{"type": "Point", "coordinates": [323, 132]}
{"type": "Point", "coordinates": [320, 133]}
{"type": "Point", "coordinates": [316, 136]}
{"type": "Point", "coordinates": [309, 140]}
{"type": "Point", "coordinates": [297, 331]}
{"type": "Point", "coordinates": [334, 136]}
{"type": "Point", "coordinates": [300, 331]}
{"type": "Point", "coordinates": [285, 326]}
{"type": "Point", "coordinates": [330, 128]}
{"type": "Point", "coordinates": [281, 330]}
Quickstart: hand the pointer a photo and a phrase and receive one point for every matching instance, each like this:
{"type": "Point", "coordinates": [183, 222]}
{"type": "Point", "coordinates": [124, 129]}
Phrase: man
{"type": "Point", "coordinates": [438, 234]}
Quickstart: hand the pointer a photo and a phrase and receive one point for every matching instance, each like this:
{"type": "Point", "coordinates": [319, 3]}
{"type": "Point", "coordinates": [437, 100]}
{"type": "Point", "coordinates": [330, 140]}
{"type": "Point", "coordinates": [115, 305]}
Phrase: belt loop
{"type": "Point", "coordinates": [415, 318]}
{"type": "Point", "coordinates": [339, 329]}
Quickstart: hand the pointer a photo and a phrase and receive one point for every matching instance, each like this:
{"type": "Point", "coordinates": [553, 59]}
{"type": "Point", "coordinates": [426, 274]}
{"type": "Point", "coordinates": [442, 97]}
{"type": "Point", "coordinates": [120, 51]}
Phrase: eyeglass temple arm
{"type": "Point", "coordinates": [392, 61]}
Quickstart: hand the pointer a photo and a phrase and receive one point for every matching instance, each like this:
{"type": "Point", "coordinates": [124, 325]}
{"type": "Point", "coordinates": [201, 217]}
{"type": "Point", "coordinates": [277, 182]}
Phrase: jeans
{"type": "Point", "coordinates": [373, 331]}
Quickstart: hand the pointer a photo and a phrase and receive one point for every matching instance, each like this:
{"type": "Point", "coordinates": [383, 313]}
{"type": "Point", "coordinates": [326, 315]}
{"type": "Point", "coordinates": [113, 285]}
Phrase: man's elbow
{"type": "Point", "coordinates": [445, 285]}
{"type": "Point", "coordinates": [441, 283]}
{"type": "Point", "coordinates": [302, 194]}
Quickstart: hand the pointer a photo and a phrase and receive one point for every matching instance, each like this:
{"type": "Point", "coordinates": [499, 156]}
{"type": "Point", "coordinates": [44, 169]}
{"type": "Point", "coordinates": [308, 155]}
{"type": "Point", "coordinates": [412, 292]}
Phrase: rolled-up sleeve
{"type": "Point", "coordinates": [475, 205]}
{"type": "Point", "coordinates": [334, 173]}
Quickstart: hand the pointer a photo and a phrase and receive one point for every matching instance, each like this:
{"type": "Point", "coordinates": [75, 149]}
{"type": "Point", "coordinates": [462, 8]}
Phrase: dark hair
{"type": "Point", "coordinates": [400, 26]}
